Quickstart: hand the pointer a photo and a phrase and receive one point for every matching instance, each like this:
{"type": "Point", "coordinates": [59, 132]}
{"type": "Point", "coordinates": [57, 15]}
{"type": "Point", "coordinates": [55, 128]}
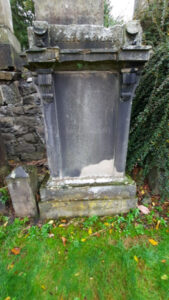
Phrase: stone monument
{"type": "Point", "coordinates": [87, 75]}
{"type": "Point", "coordinates": [9, 45]}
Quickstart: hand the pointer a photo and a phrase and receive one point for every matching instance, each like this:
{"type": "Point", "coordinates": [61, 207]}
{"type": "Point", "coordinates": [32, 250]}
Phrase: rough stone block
{"type": "Point", "coordinates": [9, 94]}
{"type": "Point", "coordinates": [9, 59]}
{"type": "Point", "coordinates": [27, 89]}
{"type": "Point", "coordinates": [7, 37]}
{"type": "Point", "coordinates": [7, 76]}
{"type": "Point", "coordinates": [21, 193]}
{"type": "Point", "coordinates": [55, 209]}
{"type": "Point", "coordinates": [70, 11]}
{"type": "Point", "coordinates": [87, 200]}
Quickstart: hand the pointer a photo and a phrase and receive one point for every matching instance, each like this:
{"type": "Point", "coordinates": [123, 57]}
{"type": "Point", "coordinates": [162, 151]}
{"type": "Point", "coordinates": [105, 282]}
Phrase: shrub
{"type": "Point", "coordinates": [149, 135]}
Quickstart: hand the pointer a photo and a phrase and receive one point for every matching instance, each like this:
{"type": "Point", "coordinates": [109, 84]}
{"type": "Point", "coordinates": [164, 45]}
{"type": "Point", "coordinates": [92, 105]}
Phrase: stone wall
{"type": "Point", "coordinates": [21, 122]}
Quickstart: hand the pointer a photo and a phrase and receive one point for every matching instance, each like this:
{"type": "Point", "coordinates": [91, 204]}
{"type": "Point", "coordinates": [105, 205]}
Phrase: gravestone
{"type": "Point", "coordinates": [87, 75]}
{"type": "Point", "coordinates": [21, 192]}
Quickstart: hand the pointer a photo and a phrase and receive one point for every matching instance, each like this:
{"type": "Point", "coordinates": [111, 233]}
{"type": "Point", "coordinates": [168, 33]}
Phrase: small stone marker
{"type": "Point", "coordinates": [21, 193]}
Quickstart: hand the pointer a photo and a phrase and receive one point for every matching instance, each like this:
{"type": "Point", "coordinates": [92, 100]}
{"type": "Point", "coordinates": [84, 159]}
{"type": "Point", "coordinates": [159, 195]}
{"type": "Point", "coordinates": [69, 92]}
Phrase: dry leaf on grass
{"type": "Point", "coordinates": [16, 251]}
{"type": "Point", "coordinates": [64, 240]}
{"type": "Point", "coordinates": [136, 258]}
{"type": "Point", "coordinates": [90, 231]}
{"type": "Point", "coordinates": [153, 242]}
{"type": "Point", "coordinates": [158, 224]}
{"type": "Point", "coordinates": [43, 287]}
{"type": "Point", "coordinates": [164, 277]}
{"type": "Point", "coordinates": [144, 209]}
{"type": "Point", "coordinates": [83, 240]}
{"type": "Point", "coordinates": [51, 235]}
{"type": "Point", "coordinates": [11, 266]}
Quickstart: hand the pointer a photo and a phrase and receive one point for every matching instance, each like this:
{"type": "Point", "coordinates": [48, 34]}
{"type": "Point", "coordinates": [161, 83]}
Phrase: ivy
{"type": "Point", "coordinates": [149, 134]}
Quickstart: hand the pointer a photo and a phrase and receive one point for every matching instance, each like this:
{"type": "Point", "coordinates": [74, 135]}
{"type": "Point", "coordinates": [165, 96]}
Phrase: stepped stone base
{"type": "Point", "coordinates": [73, 200]}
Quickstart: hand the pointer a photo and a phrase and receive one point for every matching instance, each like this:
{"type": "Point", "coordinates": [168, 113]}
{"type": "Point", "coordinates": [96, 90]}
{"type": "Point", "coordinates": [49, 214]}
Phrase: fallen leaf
{"type": "Point", "coordinates": [153, 242]}
{"type": "Point", "coordinates": [164, 277]}
{"type": "Point", "coordinates": [63, 221]}
{"type": "Point", "coordinates": [83, 240]}
{"type": "Point", "coordinates": [142, 192]}
{"type": "Point", "coordinates": [136, 258]}
{"type": "Point", "coordinates": [5, 224]}
{"type": "Point", "coordinates": [8, 298]}
{"type": "Point", "coordinates": [158, 224]}
{"type": "Point", "coordinates": [10, 266]}
{"type": "Point", "coordinates": [64, 240]}
{"type": "Point", "coordinates": [51, 235]}
{"type": "Point", "coordinates": [110, 231]}
{"type": "Point", "coordinates": [25, 237]}
{"type": "Point", "coordinates": [43, 287]}
{"type": "Point", "coordinates": [16, 251]}
{"type": "Point", "coordinates": [90, 231]}
{"type": "Point", "coordinates": [144, 209]}
{"type": "Point", "coordinates": [163, 261]}
{"type": "Point", "coordinates": [51, 222]}
{"type": "Point", "coordinates": [106, 224]}
{"type": "Point", "coordinates": [62, 225]}
{"type": "Point", "coordinates": [77, 274]}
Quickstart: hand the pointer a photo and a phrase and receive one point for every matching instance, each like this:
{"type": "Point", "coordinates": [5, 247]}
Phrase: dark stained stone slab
{"type": "Point", "coordinates": [82, 123]}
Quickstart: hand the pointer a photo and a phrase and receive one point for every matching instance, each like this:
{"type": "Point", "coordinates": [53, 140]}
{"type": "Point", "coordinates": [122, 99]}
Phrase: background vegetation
{"type": "Point", "coordinates": [23, 14]}
{"type": "Point", "coordinates": [149, 135]}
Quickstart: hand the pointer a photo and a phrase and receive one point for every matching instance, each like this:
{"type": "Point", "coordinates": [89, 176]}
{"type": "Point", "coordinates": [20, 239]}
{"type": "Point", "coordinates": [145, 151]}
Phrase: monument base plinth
{"type": "Point", "coordinates": [87, 197]}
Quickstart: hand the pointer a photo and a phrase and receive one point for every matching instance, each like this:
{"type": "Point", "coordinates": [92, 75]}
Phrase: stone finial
{"type": "Point", "coordinates": [70, 11]}
{"type": "Point", "coordinates": [21, 193]}
{"type": "Point", "coordinates": [6, 15]}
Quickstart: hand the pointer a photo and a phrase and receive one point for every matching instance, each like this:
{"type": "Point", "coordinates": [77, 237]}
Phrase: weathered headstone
{"type": "Point", "coordinates": [9, 45]}
{"type": "Point", "coordinates": [87, 75]}
{"type": "Point", "coordinates": [21, 193]}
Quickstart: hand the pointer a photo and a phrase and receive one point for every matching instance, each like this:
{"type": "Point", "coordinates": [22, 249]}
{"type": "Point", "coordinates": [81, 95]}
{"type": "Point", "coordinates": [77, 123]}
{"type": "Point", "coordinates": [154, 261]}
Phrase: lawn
{"type": "Point", "coordinates": [123, 257]}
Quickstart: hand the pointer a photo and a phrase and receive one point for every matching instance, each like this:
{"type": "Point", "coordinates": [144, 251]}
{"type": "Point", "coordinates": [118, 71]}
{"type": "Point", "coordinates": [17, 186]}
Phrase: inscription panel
{"type": "Point", "coordinates": [87, 104]}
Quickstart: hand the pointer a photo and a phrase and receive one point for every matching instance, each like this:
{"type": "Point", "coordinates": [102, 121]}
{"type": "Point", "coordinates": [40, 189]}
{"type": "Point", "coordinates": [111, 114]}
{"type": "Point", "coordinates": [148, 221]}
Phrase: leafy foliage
{"type": "Point", "coordinates": [155, 21]}
{"type": "Point", "coordinates": [23, 14]}
{"type": "Point", "coordinates": [149, 135]}
{"type": "Point", "coordinates": [4, 196]}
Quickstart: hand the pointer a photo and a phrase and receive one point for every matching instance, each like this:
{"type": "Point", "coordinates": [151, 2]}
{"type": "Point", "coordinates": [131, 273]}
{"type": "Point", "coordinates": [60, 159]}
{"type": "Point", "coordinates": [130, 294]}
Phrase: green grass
{"type": "Point", "coordinates": [101, 266]}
